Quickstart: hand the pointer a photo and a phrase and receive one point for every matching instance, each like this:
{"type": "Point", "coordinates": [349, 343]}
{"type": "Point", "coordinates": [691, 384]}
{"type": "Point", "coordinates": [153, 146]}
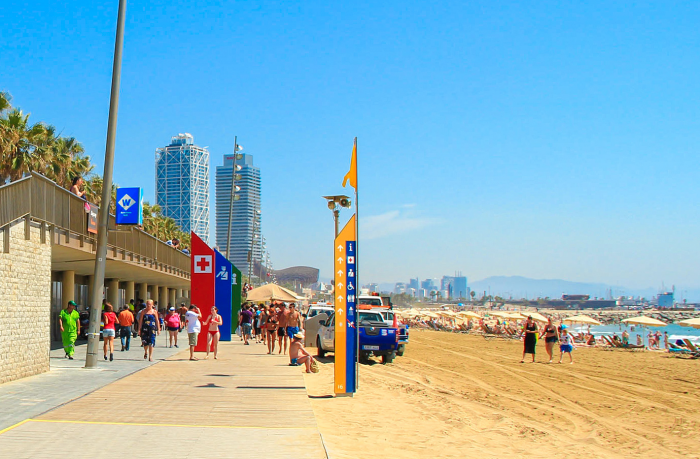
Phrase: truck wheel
{"type": "Point", "coordinates": [400, 350]}
{"type": "Point", "coordinates": [388, 358]}
{"type": "Point", "coordinates": [364, 358]}
{"type": "Point", "coordinates": [320, 353]}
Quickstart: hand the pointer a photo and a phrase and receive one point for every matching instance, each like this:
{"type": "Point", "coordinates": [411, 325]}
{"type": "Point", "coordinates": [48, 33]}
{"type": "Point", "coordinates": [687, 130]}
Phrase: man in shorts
{"type": "Point", "coordinates": [293, 321]}
{"type": "Point", "coordinates": [283, 322]}
{"type": "Point", "coordinates": [194, 326]}
{"type": "Point", "coordinates": [246, 323]}
{"type": "Point", "coordinates": [297, 353]}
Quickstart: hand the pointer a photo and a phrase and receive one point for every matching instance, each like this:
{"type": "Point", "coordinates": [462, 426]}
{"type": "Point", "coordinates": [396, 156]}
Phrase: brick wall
{"type": "Point", "coordinates": [25, 304]}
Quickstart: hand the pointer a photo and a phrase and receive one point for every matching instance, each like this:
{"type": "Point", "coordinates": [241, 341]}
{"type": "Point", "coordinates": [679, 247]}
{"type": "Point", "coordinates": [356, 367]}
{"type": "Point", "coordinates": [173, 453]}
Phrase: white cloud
{"type": "Point", "coordinates": [391, 223]}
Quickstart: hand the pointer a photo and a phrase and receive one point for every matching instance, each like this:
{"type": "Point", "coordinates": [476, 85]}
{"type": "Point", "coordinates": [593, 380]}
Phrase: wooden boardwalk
{"type": "Point", "coordinates": [245, 404]}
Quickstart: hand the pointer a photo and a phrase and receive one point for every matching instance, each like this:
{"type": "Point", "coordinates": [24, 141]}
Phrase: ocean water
{"type": "Point", "coordinates": [674, 332]}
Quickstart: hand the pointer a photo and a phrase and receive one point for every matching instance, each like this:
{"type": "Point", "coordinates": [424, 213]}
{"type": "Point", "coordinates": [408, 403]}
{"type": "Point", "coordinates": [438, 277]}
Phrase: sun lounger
{"type": "Point", "coordinates": [673, 349]}
{"type": "Point", "coordinates": [691, 346]}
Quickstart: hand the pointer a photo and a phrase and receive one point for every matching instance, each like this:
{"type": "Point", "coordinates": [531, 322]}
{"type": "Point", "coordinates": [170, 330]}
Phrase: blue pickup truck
{"type": "Point", "coordinates": [376, 337]}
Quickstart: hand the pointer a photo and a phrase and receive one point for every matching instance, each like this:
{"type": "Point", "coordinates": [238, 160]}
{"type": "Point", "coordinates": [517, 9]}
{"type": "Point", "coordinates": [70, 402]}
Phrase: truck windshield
{"type": "Point", "coordinates": [371, 301]}
{"type": "Point", "coordinates": [369, 317]}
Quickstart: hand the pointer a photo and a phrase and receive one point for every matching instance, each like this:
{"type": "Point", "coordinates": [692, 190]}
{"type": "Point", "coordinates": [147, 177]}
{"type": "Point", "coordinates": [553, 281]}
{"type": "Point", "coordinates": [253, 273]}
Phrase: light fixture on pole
{"type": "Point", "coordinates": [335, 203]}
{"type": "Point", "coordinates": [234, 197]}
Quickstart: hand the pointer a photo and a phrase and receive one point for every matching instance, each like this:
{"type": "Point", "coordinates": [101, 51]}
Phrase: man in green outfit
{"type": "Point", "coordinates": [70, 328]}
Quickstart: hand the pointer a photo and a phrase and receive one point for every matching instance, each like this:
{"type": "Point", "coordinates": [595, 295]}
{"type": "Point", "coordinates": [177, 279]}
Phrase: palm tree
{"type": "Point", "coordinates": [22, 145]}
{"type": "Point", "coordinates": [5, 99]}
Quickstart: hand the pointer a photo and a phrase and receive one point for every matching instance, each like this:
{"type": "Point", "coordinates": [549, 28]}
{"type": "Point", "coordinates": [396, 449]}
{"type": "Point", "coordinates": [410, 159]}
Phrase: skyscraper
{"type": "Point", "coordinates": [245, 211]}
{"type": "Point", "coordinates": [182, 184]}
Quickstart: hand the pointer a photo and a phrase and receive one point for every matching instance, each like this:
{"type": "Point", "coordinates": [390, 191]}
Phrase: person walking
{"type": "Point", "coordinates": [149, 327]}
{"type": "Point", "coordinates": [530, 330]}
{"type": "Point", "coordinates": [172, 321]}
{"type": "Point", "coordinates": [293, 321]}
{"type": "Point", "coordinates": [567, 344]}
{"type": "Point", "coordinates": [126, 321]}
{"type": "Point", "coordinates": [193, 327]}
{"type": "Point", "coordinates": [271, 328]}
{"type": "Point", "coordinates": [69, 320]}
{"type": "Point", "coordinates": [282, 323]}
{"type": "Point", "coordinates": [109, 319]}
{"type": "Point", "coordinates": [551, 337]}
{"type": "Point", "coordinates": [246, 323]}
{"type": "Point", "coordinates": [263, 323]}
{"type": "Point", "coordinates": [214, 320]}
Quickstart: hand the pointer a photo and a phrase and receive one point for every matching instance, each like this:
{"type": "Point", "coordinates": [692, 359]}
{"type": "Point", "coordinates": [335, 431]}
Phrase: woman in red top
{"type": "Point", "coordinates": [172, 321]}
{"type": "Point", "coordinates": [109, 318]}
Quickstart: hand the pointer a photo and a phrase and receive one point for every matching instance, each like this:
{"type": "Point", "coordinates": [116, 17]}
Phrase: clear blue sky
{"type": "Point", "coordinates": [543, 139]}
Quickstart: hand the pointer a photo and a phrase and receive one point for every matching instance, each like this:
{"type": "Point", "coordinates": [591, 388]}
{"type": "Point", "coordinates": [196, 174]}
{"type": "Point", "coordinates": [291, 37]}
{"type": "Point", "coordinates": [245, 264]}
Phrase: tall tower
{"type": "Point", "coordinates": [182, 184]}
{"type": "Point", "coordinates": [245, 212]}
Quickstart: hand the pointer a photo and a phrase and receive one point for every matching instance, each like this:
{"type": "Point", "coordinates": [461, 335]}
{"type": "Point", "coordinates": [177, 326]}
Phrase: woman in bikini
{"type": "Point", "coordinates": [214, 320]}
{"type": "Point", "coordinates": [551, 337]}
{"type": "Point", "coordinates": [271, 331]}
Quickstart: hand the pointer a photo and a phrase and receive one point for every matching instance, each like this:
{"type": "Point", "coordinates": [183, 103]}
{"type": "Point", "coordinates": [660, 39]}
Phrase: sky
{"type": "Point", "coordinates": [541, 139]}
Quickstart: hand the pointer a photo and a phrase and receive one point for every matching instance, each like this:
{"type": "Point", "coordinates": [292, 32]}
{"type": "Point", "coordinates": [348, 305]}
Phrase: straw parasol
{"type": "Point", "coordinates": [499, 313]}
{"type": "Point", "coordinates": [695, 323]}
{"type": "Point", "coordinates": [270, 292]}
{"type": "Point", "coordinates": [517, 316]}
{"type": "Point", "coordinates": [537, 317]}
{"type": "Point", "coordinates": [582, 319]}
{"type": "Point", "coordinates": [470, 314]}
{"type": "Point", "coordinates": [645, 321]}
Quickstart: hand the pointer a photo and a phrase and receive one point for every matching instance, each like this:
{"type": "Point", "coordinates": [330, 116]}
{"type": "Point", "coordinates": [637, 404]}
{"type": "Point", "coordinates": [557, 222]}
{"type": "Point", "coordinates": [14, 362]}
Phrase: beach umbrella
{"type": "Point", "coordinates": [645, 321]}
{"type": "Point", "coordinates": [517, 316]}
{"type": "Point", "coordinates": [470, 314]}
{"type": "Point", "coordinates": [581, 320]}
{"type": "Point", "coordinates": [499, 313]}
{"type": "Point", "coordinates": [270, 292]}
{"type": "Point", "coordinates": [432, 315]}
{"type": "Point", "coordinates": [536, 316]}
{"type": "Point", "coordinates": [695, 323]}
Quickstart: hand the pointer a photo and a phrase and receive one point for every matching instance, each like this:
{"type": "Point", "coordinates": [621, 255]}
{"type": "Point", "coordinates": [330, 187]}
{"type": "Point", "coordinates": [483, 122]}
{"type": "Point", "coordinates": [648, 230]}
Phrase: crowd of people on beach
{"type": "Point", "coordinates": [276, 325]}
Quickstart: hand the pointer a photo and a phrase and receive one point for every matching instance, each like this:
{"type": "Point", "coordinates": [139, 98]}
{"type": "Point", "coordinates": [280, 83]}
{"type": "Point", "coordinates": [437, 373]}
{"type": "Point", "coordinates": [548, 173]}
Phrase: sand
{"type": "Point", "coordinates": [456, 395]}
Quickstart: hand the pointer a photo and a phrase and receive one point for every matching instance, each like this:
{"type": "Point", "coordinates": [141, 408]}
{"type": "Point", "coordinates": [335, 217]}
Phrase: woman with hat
{"type": "Point", "coordinates": [172, 321]}
{"type": "Point", "coordinates": [69, 320]}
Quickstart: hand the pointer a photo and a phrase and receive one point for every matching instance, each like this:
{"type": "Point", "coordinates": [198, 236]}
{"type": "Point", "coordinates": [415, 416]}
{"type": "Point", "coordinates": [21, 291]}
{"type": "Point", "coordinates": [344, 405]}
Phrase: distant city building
{"type": "Point", "coordinates": [665, 300]}
{"type": "Point", "coordinates": [422, 293]}
{"type": "Point", "coordinates": [182, 184]}
{"type": "Point", "coordinates": [414, 284]}
{"type": "Point", "coordinates": [372, 287]}
{"type": "Point", "coordinates": [459, 287]}
{"type": "Point", "coordinates": [400, 287]}
{"type": "Point", "coordinates": [244, 211]}
{"type": "Point", "coordinates": [428, 284]}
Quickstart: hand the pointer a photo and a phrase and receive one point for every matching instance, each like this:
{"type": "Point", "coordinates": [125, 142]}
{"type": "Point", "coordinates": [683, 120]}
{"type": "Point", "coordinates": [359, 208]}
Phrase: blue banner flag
{"type": "Point", "coordinates": [129, 206]}
{"type": "Point", "coordinates": [223, 289]}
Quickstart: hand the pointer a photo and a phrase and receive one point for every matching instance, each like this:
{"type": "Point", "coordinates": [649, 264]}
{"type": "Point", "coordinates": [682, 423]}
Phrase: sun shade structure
{"type": "Point", "coordinates": [536, 316]}
{"type": "Point", "coordinates": [645, 321]}
{"type": "Point", "coordinates": [270, 292]}
{"type": "Point", "coordinates": [582, 319]}
{"type": "Point", "coordinates": [695, 323]}
{"type": "Point", "coordinates": [470, 314]}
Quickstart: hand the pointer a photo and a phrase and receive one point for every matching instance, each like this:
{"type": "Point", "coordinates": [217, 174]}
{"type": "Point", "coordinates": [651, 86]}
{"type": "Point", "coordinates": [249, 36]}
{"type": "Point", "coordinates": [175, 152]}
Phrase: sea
{"type": "Point", "coordinates": [674, 331]}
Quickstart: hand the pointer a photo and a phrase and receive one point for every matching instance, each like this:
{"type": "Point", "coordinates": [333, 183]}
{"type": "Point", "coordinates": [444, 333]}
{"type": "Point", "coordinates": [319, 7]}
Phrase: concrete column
{"type": "Point", "coordinates": [143, 291]}
{"type": "Point", "coordinates": [129, 291]}
{"type": "Point", "coordinates": [68, 287]}
{"type": "Point", "coordinates": [162, 297]}
{"type": "Point", "coordinates": [113, 293]}
{"type": "Point", "coordinates": [179, 293]}
{"type": "Point", "coordinates": [89, 279]}
{"type": "Point", "coordinates": [154, 292]}
{"type": "Point", "coordinates": [172, 296]}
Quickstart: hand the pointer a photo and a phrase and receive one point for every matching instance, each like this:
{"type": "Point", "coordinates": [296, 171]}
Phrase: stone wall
{"type": "Point", "coordinates": [25, 303]}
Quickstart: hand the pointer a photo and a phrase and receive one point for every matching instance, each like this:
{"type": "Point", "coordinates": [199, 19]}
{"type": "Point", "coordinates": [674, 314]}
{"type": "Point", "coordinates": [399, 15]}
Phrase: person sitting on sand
{"type": "Point", "coordinates": [297, 353]}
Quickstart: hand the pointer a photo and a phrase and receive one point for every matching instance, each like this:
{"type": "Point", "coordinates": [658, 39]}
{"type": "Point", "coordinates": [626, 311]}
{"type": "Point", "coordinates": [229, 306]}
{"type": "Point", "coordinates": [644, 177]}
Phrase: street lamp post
{"type": "Point", "coordinates": [234, 197]}
{"type": "Point", "coordinates": [335, 203]}
{"type": "Point", "coordinates": [251, 258]}
{"type": "Point", "coordinates": [103, 220]}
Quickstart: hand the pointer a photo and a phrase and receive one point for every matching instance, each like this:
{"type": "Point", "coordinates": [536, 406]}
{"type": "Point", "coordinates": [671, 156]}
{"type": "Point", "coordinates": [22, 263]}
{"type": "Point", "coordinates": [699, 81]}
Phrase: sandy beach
{"type": "Point", "coordinates": [458, 395]}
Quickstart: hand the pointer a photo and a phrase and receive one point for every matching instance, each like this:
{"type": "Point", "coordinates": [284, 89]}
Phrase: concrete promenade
{"type": "Point", "coordinates": [245, 404]}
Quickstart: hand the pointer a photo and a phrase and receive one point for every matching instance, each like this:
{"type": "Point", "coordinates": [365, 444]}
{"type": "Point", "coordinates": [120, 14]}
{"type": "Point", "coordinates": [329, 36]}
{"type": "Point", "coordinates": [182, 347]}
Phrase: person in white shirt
{"type": "Point", "coordinates": [192, 317]}
{"type": "Point", "coordinates": [567, 344]}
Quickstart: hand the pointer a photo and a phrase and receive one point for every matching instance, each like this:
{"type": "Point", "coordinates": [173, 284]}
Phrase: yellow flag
{"type": "Point", "coordinates": [351, 176]}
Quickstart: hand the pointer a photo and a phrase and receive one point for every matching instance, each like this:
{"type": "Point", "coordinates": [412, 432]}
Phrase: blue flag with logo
{"type": "Point", "coordinates": [223, 285]}
{"type": "Point", "coordinates": [129, 206]}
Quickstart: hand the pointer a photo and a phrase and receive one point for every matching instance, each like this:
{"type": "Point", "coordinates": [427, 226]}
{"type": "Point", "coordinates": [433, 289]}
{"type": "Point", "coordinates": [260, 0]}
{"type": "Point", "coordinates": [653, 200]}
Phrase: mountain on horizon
{"type": "Point", "coordinates": [523, 287]}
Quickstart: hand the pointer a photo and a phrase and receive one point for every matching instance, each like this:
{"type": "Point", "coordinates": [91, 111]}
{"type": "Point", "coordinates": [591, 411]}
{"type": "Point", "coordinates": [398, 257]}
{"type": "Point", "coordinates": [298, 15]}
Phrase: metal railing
{"type": "Point", "coordinates": [44, 201]}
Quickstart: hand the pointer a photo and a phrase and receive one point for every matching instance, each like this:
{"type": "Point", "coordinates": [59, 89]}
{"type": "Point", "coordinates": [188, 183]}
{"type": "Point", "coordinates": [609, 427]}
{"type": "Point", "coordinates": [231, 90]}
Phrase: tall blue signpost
{"type": "Point", "coordinates": [129, 206]}
{"type": "Point", "coordinates": [223, 289]}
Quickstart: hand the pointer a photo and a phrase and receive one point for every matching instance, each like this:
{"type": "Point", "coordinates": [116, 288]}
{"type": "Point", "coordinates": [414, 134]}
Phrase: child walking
{"type": "Point", "coordinates": [567, 344]}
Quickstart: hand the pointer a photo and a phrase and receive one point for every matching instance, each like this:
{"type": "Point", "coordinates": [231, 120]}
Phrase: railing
{"type": "Point", "coordinates": [44, 201]}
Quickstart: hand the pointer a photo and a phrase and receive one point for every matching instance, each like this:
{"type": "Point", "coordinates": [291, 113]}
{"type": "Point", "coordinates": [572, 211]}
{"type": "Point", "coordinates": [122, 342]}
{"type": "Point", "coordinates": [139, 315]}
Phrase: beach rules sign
{"type": "Point", "coordinates": [345, 296]}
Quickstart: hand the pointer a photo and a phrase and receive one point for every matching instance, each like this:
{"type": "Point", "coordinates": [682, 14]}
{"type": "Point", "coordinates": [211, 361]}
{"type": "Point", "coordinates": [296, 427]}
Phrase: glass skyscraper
{"type": "Point", "coordinates": [245, 211]}
{"type": "Point", "coordinates": [182, 184]}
